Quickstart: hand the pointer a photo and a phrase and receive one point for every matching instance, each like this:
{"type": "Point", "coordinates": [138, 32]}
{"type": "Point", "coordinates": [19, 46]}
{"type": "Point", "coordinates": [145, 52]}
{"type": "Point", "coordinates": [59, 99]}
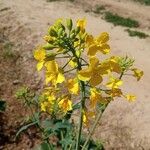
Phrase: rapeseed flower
{"type": "Point", "coordinates": [95, 96]}
{"type": "Point", "coordinates": [73, 86]}
{"type": "Point", "coordinates": [65, 104]}
{"type": "Point", "coordinates": [53, 73]}
{"type": "Point", "coordinates": [98, 44]}
{"type": "Point", "coordinates": [114, 83]}
{"type": "Point", "coordinates": [93, 73]}
{"type": "Point", "coordinates": [137, 73]}
{"type": "Point", "coordinates": [81, 23]}
{"type": "Point", "coordinates": [40, 55]}
{"type": "Point", "coordinates": [130, 97]}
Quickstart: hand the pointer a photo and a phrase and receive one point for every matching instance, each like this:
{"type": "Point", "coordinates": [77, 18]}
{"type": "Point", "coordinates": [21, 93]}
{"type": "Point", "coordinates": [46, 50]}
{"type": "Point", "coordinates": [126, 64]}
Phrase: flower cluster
{"type": "Point", "coordinates": [97, 81]}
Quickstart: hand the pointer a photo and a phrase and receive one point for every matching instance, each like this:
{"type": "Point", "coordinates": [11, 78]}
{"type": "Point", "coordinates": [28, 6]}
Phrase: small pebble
{"type": "Point", "coordinates": [15, 82]}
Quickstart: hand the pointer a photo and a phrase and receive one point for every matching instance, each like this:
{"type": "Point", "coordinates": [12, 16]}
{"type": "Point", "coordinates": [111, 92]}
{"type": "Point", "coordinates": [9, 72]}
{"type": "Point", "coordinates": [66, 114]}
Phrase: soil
{"type": "Point", "coordinates": [22, 25]}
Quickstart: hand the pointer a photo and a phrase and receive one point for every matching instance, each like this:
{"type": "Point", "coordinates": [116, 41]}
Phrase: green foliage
{"type": "Point", "coordinates": [92, 145]}
{"type": "Point", "coordinates": [24, 128]}
{"type": "Point", "coordinates": [23, 91]}
{"type": "Point", "coordinates": [125, 63]}
{"type": "Point", "coordinates": [30, 100]}
{"type": "Point", "coordinates": [52, 0]}
{"type": "Point", "coordinates": [63, 130]}
{"type": "Point", "coordinates": [139, 34]}
{"type": "Point", "coordinates": [98, 9]}
{"type": "Point", "coordinates": [118, 20]}
{"type": "Point", "coordinates": [7, 51]}
{"type": "Point", "coordinates": [145, 2]}
{"type": "Point", "coordinates": [44, 146]}
{"type": "Point", "coordinates": [27, 96]}
{"type": "Point", "coordinates": [2, 105]}
{"type": "Point", "coordinates": [58, 0]}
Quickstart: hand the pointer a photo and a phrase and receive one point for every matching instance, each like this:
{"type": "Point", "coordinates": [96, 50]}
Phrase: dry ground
{"type": "Point", "coordinates": [23, 23]}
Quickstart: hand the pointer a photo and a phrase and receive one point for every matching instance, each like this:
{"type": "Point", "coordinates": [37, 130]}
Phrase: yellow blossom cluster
{"type": "Point", "coordinates": [98, 81]}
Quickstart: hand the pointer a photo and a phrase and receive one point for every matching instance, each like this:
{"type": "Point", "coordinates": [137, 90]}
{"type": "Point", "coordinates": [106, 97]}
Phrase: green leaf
{"type": "Point", "coordinates": [47, 123]}
{"type": "Point", "coordinates": [25, 128]}
{"type": "Point", "coordinates": [66, 141]}
{"type": "Point", "coordinates": [2, 105]}
{"type": "Point", "coordinates": [44, 146]}
{"type": "Point", "coordinates": [35, 117]}
{"type": "Point", "coordinates": [76, 106]}
{"type": "Point", "coordinates": [62, 125]}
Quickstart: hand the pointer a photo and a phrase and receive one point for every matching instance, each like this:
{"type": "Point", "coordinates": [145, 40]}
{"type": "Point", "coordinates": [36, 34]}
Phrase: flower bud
{"type": "Point", "coordinates": [48, 46]}
{"type": "Point", "coordinates": [69, 24]}
{"type": "Point", "coordinates": [52, 32]}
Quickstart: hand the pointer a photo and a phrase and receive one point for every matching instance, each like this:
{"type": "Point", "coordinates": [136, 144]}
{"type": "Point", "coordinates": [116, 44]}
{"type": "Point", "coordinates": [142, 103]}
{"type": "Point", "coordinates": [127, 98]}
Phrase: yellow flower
{"type": "Point", "coordinates": [50, 93]}
{"type": "Point", "coordinates": [47, 106]}
{"type": "Point", "coordinates": [103, 37]}
{"type": "Point", "coordinates": [93, 73]}
{"type": "Point", "coordinates": [81, 23]}
{"type": "Point", "coordinates": [44, 106]}
{"type": "Point", "coordinates": [73, 62]}
{"type": "Point", "coordinates": [130, 97]}
{"type": "Point", "coordinates": [114, 64]}
{"type": "Point", "coordinates": [87, 115]}
{"type": "Point", "coordinates": [40, 55]}
{"type": "Point", "coordinates": [98, 44]}
{"type": "Point", "coordinates": [137, 73]}
{"type": "Point", "coordinates": [65, 104]}
{"type": "Point", "coordinates": [89, 40]}
{"type": "Point", "coordinates": [85, 119]}
{"type": "Point", "coordinates": [53, 73]}
{"type": "Point", "coordinates": [73, 86]}
{"type": "Point", "coordinates": [114, 83]}
{"type": "Point", "coordinates": [95, 96]}
{"type": "Point", "coordinates": [115, 92]}
{"type": "Point", "coordinates": [47, 99]}
{"type": "Point", "coordinates": [48, 38]}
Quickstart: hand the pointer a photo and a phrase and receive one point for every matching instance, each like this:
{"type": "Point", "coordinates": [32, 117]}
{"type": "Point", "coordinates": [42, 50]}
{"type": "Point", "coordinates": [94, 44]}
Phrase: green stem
{"type": "Point", "coordinates": [62, 57]}
{"type": "Point", "coordinates": [84, 61]}
{"type": "Point", "coordinates": [122, 73]}
{"type": "Point", "coordinates": [81, 115]}
{"type": "Point", "coordinates": [69, 70]}
{"type": "Point", "coordinates": [79, 67]}
{"type": "Point", "coordinates": [92, 130]}
{"type": "Point", "coordinates": [67, 63]}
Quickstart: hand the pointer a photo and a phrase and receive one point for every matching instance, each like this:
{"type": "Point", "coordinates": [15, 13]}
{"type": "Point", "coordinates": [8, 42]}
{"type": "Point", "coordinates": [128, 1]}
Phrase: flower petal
{"type": "Point", "coordinates": [94, 61]}
{"type": "Point", "coordinates": [51, 66]}
{"type": "Point", "coordinates": [92, 50]}
{"type": "Point", "coordinates": [84, 75]}
{"type": "Point", "coordinates": [137, 73]}
{"type": "Point", "coordinates": [130, 97]}
{"type": "Point", "coordinates": [105, 48]}
{"type": "Point", "coordinates": [39, 54]}
{"type": "Point", "coordinates": [73, 86]}
{"type": "Point", "coordinates": [60, 78]}
{"type": "Point", "coordinates": [103, 38]}
{"type": "Point", "coordinates": [39, 65]}
{"type": "Point", "coordinates": [96, 79]}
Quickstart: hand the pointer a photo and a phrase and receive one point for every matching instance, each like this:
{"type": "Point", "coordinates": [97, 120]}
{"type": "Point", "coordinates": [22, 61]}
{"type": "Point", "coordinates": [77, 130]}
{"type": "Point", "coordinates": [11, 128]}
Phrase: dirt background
{"type": "Point", "coordinates": [124, 125]}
